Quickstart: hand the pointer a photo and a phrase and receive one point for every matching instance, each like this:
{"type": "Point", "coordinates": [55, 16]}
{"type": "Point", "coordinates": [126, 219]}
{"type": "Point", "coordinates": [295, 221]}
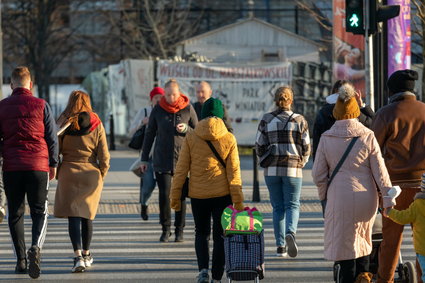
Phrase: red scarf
{"type": "Point", "coordinates": [94, 121]}
{"type": "Point", "coordinates": [180, 104]}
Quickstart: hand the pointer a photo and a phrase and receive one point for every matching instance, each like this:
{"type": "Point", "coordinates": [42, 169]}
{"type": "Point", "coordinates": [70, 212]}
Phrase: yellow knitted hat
{"type": "Point", "coordinates": [346, 106]}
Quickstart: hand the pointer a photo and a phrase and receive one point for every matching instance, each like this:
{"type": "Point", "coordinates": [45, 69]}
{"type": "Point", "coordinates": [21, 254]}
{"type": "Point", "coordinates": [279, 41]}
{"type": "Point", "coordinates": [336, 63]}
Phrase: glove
{"type": "Point", "coordinates": [176, 204]}
{"type": "Point", "coordinates": [394, 192]}
{"type": "Point", "coordinates": [388, 201]}
{"type": "Point", "coordinates": [239, 206]}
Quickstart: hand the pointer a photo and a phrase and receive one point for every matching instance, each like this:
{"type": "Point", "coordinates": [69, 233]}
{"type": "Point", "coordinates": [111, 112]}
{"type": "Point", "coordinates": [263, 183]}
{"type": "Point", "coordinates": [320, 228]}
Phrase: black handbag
{"type": "Point", "coordinates": [266, 159]}
{"type": "Point", "coordinates": [136, 141]}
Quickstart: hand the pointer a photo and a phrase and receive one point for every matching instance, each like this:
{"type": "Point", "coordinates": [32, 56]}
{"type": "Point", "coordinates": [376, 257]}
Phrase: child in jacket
{"type": "Point", "coordinates": [415, 214]}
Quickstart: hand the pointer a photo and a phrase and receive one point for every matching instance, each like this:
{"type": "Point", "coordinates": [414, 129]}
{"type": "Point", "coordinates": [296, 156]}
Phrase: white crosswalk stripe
{"type": "Point", "coordinates": [125, 248]}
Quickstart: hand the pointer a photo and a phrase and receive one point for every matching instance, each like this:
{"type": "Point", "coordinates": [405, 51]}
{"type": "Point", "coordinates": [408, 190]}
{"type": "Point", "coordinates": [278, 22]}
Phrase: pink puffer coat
{"type": "Point", "coordinates": [352, 196]}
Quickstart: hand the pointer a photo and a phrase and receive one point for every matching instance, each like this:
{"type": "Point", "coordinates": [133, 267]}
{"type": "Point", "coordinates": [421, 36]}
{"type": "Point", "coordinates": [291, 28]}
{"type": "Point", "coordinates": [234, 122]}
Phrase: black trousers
{"type": "Point", "coordinates": [78, 235]}
{"type": "Point", "coordinates": [35, 185]}
{"type": "Point", "coordinates": [203, 210]}
{"type": "Point", "coordinates": [164, 185]}
{"type": "Point", "coordinates": [351, 268]}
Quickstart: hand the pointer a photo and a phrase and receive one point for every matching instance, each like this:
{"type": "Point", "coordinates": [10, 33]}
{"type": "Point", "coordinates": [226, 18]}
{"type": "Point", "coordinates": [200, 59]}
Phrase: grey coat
{"type": "Point", "coordinates": [162, 126]}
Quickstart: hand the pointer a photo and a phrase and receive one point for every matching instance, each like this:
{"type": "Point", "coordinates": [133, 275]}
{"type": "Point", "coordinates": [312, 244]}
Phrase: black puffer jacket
{"type": "Point", "coordinates": [162, 126]}
{"type": "Point", "coordinates": [325, 120]}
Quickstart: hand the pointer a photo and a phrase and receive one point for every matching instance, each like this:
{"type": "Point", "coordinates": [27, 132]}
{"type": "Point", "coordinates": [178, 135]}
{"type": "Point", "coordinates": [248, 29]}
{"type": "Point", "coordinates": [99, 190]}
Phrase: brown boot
{"type": "Point", "coordinates": [364, 277]}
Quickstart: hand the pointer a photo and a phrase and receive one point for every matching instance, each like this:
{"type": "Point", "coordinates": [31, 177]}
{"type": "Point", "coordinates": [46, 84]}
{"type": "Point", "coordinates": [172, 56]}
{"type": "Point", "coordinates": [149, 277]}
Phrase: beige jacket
{"type": "Point", "coordinates": [81, 173]}
{"type": "Point", "coordinates": [352, 197]}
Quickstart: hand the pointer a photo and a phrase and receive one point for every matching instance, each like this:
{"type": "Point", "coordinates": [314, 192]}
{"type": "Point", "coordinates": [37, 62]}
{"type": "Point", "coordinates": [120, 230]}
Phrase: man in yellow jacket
{"type": "Point", "coordinates": [214, 184]}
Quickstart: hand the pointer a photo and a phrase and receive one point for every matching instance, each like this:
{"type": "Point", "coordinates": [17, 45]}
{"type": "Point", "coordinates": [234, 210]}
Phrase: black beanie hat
{"type": "Point", "coordinates": [402, 80]}
{"type": "Point", "coordinates": [212, 107]}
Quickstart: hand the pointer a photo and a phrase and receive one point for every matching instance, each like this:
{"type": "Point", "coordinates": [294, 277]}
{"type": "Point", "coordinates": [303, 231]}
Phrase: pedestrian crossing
{"type": "Point", "coordinates": [125, 248]}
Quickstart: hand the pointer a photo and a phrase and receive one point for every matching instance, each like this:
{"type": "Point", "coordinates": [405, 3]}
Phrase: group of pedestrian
{"type": "Point", "coordinates": [33, 154]}
{"type": "Point", "coordinates": [190, 151]}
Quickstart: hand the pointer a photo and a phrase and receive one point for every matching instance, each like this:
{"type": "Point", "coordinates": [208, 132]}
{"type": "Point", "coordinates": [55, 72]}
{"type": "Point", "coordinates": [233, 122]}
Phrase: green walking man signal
{"type": "Point", "coordinates": [354, 15]}
{"type": "Point", "coordinates": [354, 21]}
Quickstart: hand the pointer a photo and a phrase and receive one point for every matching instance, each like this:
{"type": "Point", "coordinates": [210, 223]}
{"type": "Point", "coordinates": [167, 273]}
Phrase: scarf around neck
{"type": "Point", "coordinates": [180, 104]}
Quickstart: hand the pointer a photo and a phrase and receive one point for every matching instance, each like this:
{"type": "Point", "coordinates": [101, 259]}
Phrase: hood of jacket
{"type": "Point", "coordinates": [87, 122]}
{"type": "Point", "coordinates": [331, 99]}
{"type": "Point", "coordinates": [211, 128]}
{"type": "Point", "coordinates": [347, 128]}
{"type": "Point", "coordinates": [420, 195]}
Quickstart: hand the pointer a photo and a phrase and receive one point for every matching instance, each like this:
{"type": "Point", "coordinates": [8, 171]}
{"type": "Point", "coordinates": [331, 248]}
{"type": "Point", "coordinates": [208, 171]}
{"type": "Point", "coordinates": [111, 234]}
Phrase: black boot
{"type": "Point", "coordinates": [144, 212]}
{"type": "Point", "coordinates": [21, 266]}
{"type": "Point", "coordinates": [179, 235]}
{"type": "Point", "coordinates": [165, 236]}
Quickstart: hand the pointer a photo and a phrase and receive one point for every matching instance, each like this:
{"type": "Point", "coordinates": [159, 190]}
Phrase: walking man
{"type": "Point", "coordinates": [400, 132]}
{"type": "Point", "coordinates": [203, 93]}
{"type": "Point", "coordinates": [30, 158]}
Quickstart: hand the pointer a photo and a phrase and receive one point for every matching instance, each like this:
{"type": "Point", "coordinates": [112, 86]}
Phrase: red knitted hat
{"type": "Point", "coordinates": [156, 90]}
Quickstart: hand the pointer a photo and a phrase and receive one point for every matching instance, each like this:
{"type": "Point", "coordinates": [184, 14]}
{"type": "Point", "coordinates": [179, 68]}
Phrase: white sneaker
{"type": "Point", "coordinates": [79, 265]}
{"type": "Point", "coordinates": [2, 213]}
{"type": "Point", "coordinates": [88, 260]}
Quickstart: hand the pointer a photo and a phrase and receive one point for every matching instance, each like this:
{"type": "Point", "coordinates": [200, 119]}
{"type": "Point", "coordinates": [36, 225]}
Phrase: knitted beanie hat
{"type": "Point", "coordinates": [346, 106]}
{"type": "Point", "coordinates": [402, 80]}
{"type": "Point", "coordinates": [156, 90]}
{"type": "Point", "coordinates": [212, 107]}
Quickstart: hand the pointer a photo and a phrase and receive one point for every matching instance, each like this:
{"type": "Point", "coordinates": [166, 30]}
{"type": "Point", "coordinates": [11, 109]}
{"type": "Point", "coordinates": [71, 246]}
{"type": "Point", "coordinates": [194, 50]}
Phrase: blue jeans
{"type": "Point", "coordinates": [147, 184]}
{"type": "Point", "coordinates": [421, 259]}
{"type": "Point", "coordinates": [285, 199]}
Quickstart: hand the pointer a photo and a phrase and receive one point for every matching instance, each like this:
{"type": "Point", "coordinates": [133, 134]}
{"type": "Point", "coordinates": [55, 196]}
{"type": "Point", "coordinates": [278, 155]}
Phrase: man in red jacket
{"type": "Point", "coordinates": [30, 158]}
{"type": "Point", "coordinates": [400, 132]}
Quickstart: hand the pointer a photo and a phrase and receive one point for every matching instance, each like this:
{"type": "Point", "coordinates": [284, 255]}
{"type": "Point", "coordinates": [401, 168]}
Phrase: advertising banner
{"type": "Point", "coordinates": [245, 90]}
{"type": "Point", "coordinates": [348, 50]}
{"type": "Point", "coordinates": [399, 36]}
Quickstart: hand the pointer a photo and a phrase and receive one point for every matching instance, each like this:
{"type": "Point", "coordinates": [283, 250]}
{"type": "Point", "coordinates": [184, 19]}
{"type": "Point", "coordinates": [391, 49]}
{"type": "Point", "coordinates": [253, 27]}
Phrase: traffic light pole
{"type": "Point", "coordinates": [368, 49]}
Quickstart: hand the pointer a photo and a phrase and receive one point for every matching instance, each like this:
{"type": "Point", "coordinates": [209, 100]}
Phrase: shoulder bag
{"type": "Point", "coordinates": [136, 141]}
{"type": "Point", "coordinates": [337, 167]}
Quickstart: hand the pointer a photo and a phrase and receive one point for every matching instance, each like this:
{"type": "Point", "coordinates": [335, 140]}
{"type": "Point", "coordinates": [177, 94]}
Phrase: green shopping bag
{"type": "Point", "coordinates": [248, 221]}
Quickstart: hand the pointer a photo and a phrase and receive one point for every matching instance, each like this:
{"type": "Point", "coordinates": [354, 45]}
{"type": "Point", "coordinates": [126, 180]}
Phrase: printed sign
{"type": "Point", "coordinates": [246, 90]}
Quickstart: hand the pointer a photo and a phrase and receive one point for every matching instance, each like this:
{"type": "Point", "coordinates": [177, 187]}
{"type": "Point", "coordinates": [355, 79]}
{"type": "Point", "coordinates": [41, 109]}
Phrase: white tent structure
{"type": "Point", "coordinates": [251, 40]}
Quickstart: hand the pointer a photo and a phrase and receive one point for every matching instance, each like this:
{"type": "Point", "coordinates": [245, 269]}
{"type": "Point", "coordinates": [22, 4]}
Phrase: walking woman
{"type": "Point", "coordinates": [85, 162]}
{"type": "Point", "coordinates": [283, 146]}
{"type": "Point", "coordinates": [213, 185]}
{"type": "Point", "coordinates": [147, 180]}
{"type": "Point", "coordinates": [352, 196]}
{"type": "Point", "coordinates": [169, 122]}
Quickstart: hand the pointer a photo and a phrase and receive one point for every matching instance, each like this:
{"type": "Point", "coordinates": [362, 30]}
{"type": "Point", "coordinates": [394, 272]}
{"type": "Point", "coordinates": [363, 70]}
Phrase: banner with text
{"type": "Point", "coordinates": [246, 90]}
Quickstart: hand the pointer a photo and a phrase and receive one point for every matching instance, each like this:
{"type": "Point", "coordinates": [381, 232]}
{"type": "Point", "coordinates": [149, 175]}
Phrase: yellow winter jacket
{"type": "Point", "coordinates": [415, 214]}
{"type": "Point", "coordinates": [208, 178]}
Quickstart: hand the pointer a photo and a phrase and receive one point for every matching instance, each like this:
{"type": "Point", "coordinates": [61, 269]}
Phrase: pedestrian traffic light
{"type": "Point", "coordinates": [380, 13]}
{"type": "Point", "coordinates": [354, 19]}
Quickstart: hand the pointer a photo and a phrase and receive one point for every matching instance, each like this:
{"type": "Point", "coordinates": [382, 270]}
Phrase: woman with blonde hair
{"type": "Point", "coordinates": [84, 164]}
{"type": "Point", "coordinates": [283, 146]}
